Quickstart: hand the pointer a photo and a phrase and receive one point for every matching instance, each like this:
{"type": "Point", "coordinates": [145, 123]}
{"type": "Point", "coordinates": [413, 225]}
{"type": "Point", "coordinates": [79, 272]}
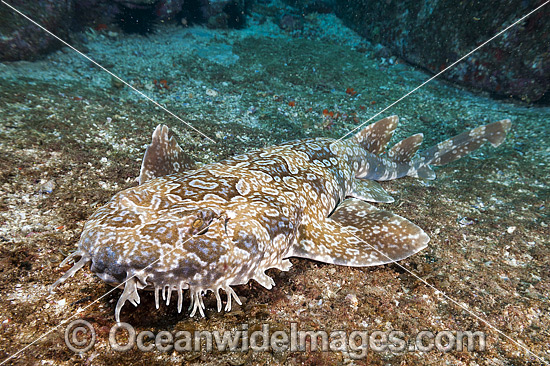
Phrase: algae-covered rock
{"type": "Point", "coordinates": [22, 40]}
{"type": "Point", "coordinates": [433, 34]}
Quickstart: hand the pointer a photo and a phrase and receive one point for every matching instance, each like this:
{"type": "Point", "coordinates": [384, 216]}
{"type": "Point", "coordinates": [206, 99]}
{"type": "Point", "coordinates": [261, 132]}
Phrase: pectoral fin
{"type": "Point", "coordinates": [358, 234]}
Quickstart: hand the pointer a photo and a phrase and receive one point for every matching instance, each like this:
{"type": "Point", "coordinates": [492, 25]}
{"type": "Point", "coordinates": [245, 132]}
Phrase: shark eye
{"type": "Point", "coordinates": [198, 223]}
{"type": "Point", "coordinates": [202, 219]}
{"type": "Point", "coordinates": [199, 226]}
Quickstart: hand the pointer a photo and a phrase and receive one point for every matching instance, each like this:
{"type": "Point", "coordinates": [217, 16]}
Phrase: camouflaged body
{"type": "Point", "coordinates": [226, 223]}
{"type": "Point", "coordinates": [220, 225]}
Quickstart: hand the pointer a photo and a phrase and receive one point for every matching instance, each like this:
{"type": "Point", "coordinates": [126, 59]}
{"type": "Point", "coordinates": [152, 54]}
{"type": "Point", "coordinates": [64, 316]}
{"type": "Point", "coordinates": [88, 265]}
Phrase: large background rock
{"type": "Point", "coordinates": [434, 33]}
{"type": "Point", "coordinates": [22, 40]}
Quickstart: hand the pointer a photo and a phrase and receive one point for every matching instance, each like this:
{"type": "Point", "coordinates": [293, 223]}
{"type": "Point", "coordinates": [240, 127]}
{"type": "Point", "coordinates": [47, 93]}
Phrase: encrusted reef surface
{"type": "Point", "coordinates": [71, 136]}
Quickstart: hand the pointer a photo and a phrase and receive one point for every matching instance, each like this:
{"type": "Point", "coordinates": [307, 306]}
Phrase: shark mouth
{"type": "Point", "coordinates": [138, 281]}
{"type": "Point", "coordinates": [135, 283]}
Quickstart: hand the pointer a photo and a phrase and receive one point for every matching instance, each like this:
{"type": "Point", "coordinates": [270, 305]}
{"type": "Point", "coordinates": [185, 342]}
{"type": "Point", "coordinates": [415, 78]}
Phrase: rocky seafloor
{"type": "Point", "coordinates": [71, 136]}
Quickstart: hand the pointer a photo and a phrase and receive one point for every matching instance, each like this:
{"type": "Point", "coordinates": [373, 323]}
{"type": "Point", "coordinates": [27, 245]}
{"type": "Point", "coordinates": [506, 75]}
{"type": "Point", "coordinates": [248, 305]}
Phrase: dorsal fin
{"type": "Point", "coordinates": [164, 156]}
{"type": "Point", "coordinates": [404, 150]}
{"type": "Point", "coordinates": [376, 136]}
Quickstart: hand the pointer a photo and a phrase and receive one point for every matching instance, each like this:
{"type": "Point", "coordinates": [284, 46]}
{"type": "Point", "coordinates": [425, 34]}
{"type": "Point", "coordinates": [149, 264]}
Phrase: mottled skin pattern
{"type": "Point", "coordinates": [226, 223]}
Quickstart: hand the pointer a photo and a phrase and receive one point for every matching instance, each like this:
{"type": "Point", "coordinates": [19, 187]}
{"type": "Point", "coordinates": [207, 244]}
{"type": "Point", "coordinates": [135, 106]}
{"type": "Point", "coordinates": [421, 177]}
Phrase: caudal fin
{"type": "Point", "coordinates": [456, 147]}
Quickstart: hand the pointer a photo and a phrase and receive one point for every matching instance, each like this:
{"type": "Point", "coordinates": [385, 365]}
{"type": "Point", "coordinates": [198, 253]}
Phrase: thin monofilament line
{"type": "Point", "coordinates": [446, 296]}
{"type": "Point", "coordinates": [64, 321]}
{"type": "Point", "coordinates": [109, 72]}
{"type": "Point", "coordinates": [444, 70]}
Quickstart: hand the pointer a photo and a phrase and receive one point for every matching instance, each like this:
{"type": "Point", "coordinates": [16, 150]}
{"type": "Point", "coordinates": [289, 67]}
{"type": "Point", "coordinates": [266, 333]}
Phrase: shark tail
{"type": "Point", "coordinates": [456, 147]}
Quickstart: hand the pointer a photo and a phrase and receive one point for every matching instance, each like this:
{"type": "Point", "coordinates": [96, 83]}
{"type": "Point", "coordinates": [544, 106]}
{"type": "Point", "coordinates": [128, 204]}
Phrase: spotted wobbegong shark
{"type": "Point", "coordinates": [223, 224]}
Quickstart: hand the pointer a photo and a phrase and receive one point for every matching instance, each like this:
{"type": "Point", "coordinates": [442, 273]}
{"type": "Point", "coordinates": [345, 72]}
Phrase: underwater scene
{"type": "Point", "coordinates": [274, 182]}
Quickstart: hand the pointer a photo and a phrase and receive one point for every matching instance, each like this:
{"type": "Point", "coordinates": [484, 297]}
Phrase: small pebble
{"type": "Point", "coordinates": [352, 298]}
{"type": "Point", "coordinates": [211, 93]}
{"type": "Point", "coordinates": [48, 186]}
{"type": "Point", "coordinates": [26, 229]}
